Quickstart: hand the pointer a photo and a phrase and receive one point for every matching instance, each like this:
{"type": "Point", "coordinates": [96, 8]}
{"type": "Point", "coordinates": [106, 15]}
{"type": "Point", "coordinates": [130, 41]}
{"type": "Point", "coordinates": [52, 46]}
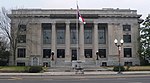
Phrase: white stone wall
{"type": "Point", "coordinates": [114, 30]}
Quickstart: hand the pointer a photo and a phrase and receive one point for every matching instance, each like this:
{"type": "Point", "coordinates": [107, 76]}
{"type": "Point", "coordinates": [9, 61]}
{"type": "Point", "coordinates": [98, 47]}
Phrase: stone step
{"type": "Point", "coordinates": [70, 69]}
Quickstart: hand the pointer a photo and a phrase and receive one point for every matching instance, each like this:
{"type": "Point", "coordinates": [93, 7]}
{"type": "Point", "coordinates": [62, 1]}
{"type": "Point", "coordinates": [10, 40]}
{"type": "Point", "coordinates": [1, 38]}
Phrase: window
{"type": "Point", "coordinates": [21, 52]}
{"type": "Point", "coordinates": [22, 39]}
{"type": "Point", "coordinates": [60, 33]}
{"type": "Point", "coordinates": [46, 53]}
{"type": "Point", "coordinates": [88, 53]}
{"type": "Point", "coordinates": [88, 33]}
{"type": "Point", "coordinates": [102, 33]}
{"type": "Point", "coordinates": [102, 53]}
{"type": "Point", "coordinates": [60, 53]}
{"type": "Point", "coordinates": [104, 63]}
{"type": "Point", "coordinates": [128, 64]}
{"type": "Point", "coordinates": [46, 33]}
{"type": "Point", "coordinates": [127, 52]}
{"type": "Point", "coordinates": [22, 27]}
{"type": "Point", "coordinates": [127, 38]}
{"type": "Point", "coordinates": [126, 27]}
{"type": "Point", "coordinates": [73, 33]}
{"type": "Point", "coordinates": [20, 63]}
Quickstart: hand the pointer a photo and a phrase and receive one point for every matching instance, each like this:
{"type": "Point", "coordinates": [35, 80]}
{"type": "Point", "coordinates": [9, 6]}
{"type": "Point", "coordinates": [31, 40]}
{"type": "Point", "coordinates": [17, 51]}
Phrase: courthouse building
{"type": "Point", "coordinates": [43, 31]}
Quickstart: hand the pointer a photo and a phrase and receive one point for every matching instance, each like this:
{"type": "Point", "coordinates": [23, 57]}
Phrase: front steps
{"type": "Point", "coordinates": [71, 69]}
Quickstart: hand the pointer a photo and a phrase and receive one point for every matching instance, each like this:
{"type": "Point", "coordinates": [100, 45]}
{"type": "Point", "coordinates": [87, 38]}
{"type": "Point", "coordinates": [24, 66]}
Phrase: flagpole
{"type": "Point", "coordinates": [77, 31]}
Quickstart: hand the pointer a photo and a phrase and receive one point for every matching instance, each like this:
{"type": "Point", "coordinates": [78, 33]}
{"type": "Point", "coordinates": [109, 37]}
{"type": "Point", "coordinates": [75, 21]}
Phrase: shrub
{"type": "Point", "coordinates": [35, 69]}
{"type": "Point", "coordinates": [116, 68]}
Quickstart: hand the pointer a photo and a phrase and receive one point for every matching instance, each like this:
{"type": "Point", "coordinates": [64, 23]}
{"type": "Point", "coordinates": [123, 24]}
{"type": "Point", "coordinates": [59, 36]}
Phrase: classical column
{"type": "Point", "coordinates": [81, 43]}
{"type": "Point", "coordinates": [113, 33]}
{"type": "Point", "coordinates": [95, 40]}
{"type": "Point", "coordinates": [67, 42]}
{"type": "Point", "coordinates": [53, 44]}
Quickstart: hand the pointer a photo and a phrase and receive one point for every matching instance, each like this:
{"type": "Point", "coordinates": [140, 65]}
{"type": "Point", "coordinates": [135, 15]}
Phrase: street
{"type": "Point", "coordinates": [77, 79]}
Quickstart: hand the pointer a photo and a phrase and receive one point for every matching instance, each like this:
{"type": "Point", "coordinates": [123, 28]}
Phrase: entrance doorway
{"type": "Point", "coordinates": [74, 54]}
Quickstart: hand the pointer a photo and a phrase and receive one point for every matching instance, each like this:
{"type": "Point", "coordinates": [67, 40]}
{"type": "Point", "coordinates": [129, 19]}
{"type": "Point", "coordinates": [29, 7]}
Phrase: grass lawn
{"type": "Point", "coordinates": [138, 68]}
{"type": "Point", "coordinates": [13, 68]}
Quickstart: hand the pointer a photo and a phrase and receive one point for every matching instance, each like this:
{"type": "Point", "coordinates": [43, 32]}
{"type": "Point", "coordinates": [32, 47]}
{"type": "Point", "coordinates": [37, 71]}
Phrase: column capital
{"type": "Point", "coordinates": [95, 23]}
{"type": "Point", "coordinates": [67, 22]}
{"type": "Point", "coordinates": [53, 23]}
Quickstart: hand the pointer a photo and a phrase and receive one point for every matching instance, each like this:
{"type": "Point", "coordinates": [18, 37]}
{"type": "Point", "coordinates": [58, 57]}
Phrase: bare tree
{"type": "Point", "coordinates": [15, 30]}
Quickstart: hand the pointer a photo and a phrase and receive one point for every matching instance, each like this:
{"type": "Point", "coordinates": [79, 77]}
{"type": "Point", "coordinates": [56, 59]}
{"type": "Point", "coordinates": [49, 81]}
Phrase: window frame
{"type": "Point", "coordinates": [45, 54]}
{"type": "Point", "coordinates": [89, 52]}
{"type": "Point", "coordinates": [60, 53]}
{"type": "Point", "coordinates": [21, 53]}
{"type": "Point", "coordinates": [102, 53]}
{"type": "Point", "coordinates": [127, 52]}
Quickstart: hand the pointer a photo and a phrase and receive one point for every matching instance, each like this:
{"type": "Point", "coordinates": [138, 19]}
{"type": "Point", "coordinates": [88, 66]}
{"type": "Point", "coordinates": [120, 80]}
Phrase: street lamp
{"type": "Point", "coordinates": [52, 53]}
{"type": "Point", "coordinates": [97, 55]}
{"type": "Point", "coordinates": [119, 49]}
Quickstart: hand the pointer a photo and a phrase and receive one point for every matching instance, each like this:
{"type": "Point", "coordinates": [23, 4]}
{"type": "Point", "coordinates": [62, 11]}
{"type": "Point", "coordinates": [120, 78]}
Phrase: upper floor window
{"type": "Point", "coordinates": [46, 53]}
{"type": "Point", "coordinates": [22, 27]}
{"type": "Point", "coordinates": [60, 53]}
{"type": "Point", "coordinates": [102, 33]}
{"type": "Point", "coordinates": [126, 27]}
{"type": "Point", "coordinates": [46, 33]}
{"type": "Point", "coordinates": [127, 38]}
{"type": "Point", "coordinates": [88, 53]}
{"type": "Point", "coordinates": [88, 33]}
{"type": "Point", "coordinates": [127, 52]}
{"type": "Point", "coordinates": [73, 33]}
{"type": "Point", "coordinates": [60, 33]}
{"type": "Point", "coordinates": [21, 38]}
{"type": "Point", "coordinates": [21, 53]}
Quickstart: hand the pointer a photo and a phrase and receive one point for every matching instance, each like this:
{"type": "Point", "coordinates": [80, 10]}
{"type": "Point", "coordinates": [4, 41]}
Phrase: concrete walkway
{"type": "Point", "coordinates": [73, 73]}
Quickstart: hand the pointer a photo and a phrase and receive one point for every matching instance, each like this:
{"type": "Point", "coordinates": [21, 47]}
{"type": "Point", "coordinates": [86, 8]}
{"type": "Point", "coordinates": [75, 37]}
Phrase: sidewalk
{"type": "Point", "coordinates": [74, 74]}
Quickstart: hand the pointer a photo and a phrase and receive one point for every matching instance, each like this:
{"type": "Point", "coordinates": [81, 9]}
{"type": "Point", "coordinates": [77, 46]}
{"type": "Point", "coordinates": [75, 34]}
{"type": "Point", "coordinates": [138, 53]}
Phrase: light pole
{"type": "Point", "coordinates": [119, 50]}
{"type": "Point", "coordinates": [97, 53]}
{"type": "Point", "coordinates": [52, 57]}
{"type": "Point", "coordinates": [52, 53]}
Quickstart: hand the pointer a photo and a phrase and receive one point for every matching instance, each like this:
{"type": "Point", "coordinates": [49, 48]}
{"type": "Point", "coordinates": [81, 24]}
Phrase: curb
{"type": "Point", "coordinates": [74, 74]}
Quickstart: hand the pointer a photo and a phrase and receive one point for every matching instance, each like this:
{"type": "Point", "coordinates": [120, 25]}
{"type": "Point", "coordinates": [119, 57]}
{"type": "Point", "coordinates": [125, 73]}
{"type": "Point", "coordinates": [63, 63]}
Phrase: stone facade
{"type": "Point", "coordinates": [53, 30]}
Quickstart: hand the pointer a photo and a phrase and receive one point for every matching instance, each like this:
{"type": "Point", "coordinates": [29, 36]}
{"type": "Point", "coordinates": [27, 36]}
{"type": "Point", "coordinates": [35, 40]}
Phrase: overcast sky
{"type": "Point", "coordinates": [142, 6]}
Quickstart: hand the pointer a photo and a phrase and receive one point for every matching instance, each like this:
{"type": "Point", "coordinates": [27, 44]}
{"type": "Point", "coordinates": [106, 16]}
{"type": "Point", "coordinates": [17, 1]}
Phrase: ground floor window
{"type": "Point", "coordinates": [102, 53]}
{"type": "Point", "coordinates": [46, 53]}
{"type": "Point", "coordinates": [127, 63]}
{"type": "Point", "coordinates": [127, 52]}
{"type": "Point", "coordinates": [104, 63]}
{"type": "Point", "coordinates": [21, 52]}
{"type": "Point", "coordinates": [60, 53]}
{"type": "Point", "coordinates": [88, 53]}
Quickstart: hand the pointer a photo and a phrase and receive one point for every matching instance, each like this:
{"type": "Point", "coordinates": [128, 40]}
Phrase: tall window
{"type": "Point", "coordinates": [46, 53]}
{"type": "Point", "coordinates": [126, 27]}
{"type": "Point", "coordinates": [73, 33]}
{"type": "Point", "coordinates": [88, 53]}
{"type": "Point", "coordinates": [21, 53]}
{"type": "Point", "coordinates": [21, 38]}
{"type": "Point", "coordinates": [102, 53]}
{"type": "Point", "coordinates": [60, 53]}
{"type": "Point", "coordinates": [60, 33]}
{"type": "Point", "coordinates": [127, 52]}
{"type": "Point", "coordinates": [88, 33]}
{"type": "Point", "coordinates": [46, 33]}
{"type": "Point", "coordinates": [127, 38]}
{"type": "Point", "coordinates": [102, 33]}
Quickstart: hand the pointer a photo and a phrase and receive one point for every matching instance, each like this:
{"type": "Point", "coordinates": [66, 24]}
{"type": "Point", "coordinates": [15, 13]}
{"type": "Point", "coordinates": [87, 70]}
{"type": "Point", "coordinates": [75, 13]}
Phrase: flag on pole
{"type": "Point", "coordinates": [81, 19]}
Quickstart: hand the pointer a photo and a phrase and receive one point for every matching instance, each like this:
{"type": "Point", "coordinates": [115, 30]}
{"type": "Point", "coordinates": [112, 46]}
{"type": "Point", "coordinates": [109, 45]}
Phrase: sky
{"type": "Point", "coordinates": [142, 6]}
